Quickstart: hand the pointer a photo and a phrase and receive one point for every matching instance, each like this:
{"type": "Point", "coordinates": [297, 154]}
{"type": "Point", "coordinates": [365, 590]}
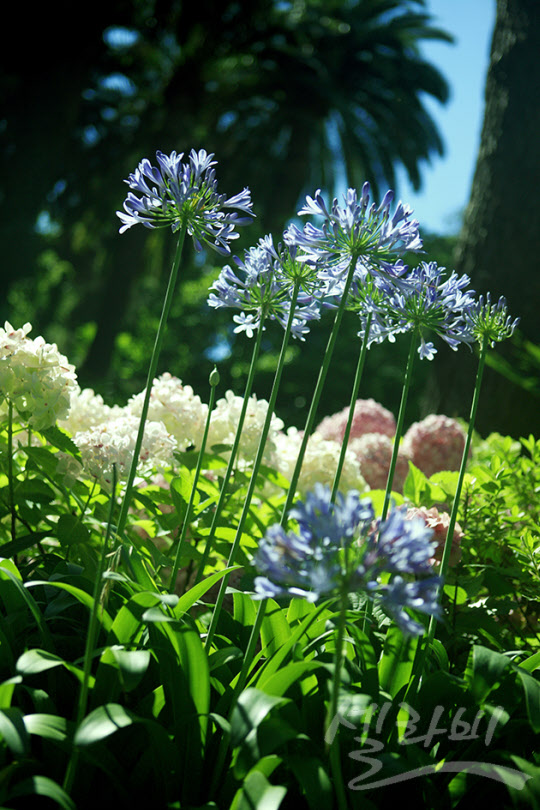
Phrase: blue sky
{"type": "Point", "coordinates": [447, 180]}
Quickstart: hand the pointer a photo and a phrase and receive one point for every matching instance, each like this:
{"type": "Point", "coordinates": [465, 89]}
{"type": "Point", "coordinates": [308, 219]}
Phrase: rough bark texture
{"type": "Point", "coordinates": [499, 246]}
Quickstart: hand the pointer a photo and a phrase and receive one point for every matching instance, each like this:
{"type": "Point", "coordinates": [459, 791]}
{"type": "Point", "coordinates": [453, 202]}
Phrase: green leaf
{"type": "Point", "coordinates": [131, 665]}
{"type": "Point", "coordinates": [314, 781]}
{"type": "Point", "coordinates": [186, 675]}
{"type": "Point", "coordinates": [447, 481]}
{"type": "Point", "coordinates": [395, 666]}
{"type": "Point", "coordinates": [194, 594]}
{"type": "Point", "coordinates": [33, 662]}
{"type": "Point", "coordinates": [18, 596]}
{"type": "Point", "coordinates": [102, 722]}
{"type": "Point", "coordinates": [485, 671]}
{"type": "Point", "coordinates": [280, 681]}
{"type": "Point", "coordinates": [70, 530]}
{"type": "Point", "coordinates": [34, 490]}
{"type": "Point", "coordinates": [128, 624]}
{"type": "Point", "coordinates": [416, 485]}
{"type": "Point", "coordinates": [6, 691]}
{"type": "Point", "coordinates": [258, 794]}
{"type": "Point", "coordinates": [82, 596]}
{"type": "Point", "coordinates": [456, 594]}
{"type": "Point", "coordinates": [531, 688]}
{"type": "Point", "coordinates": [58, 438]}
{"type": "Point", "coordinates": [251, 709]}
{"type": "Point", "coordinates": [221, 657]}
{"type": "Point", "coordinates": [275, 629]}
{"type": "Point", "coordinates": [440, 655]}
{"type": "Point", "coordinates": [13, 731]}
{"type": "Point", "coordinates": [278, 659]}
{"type": "Point", "coordinates": [42, 459]}
{"type": "Point", "coordinates": [22, 543]}
{"type": "Point", "coordinates": [137, 565]}
{"type": "Point", "coordinates": [181, 488]}
{"type": "Point", "coordinates": [531, 663]}
{"type": "Point", "coordinates": [49, 726]}
{"type": "Point", "coordinates": [43, 786]}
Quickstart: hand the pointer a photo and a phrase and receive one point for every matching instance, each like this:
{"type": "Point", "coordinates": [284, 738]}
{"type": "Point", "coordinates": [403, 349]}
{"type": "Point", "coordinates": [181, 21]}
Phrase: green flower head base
{"type": "Point", "coordinates": [490, 322]}
{"type": "Point", "coordinates": [185, 195]}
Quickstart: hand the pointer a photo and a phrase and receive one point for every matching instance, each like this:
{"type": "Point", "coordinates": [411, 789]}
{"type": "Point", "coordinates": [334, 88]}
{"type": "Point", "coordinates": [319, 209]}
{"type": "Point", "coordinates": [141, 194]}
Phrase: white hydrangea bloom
{"type": "Point", "coordinates": [224, 424]}
{"type": "Point", "coordinates": [174, 404]}
{"type": "Point", "coordinates": [35, 377]}
{"type": "Point", "coordinates": [320, 462]}
{"type": "Point", "coordinates": [113, 442]}
{"type": "Point", "coordinates": [87, 410]}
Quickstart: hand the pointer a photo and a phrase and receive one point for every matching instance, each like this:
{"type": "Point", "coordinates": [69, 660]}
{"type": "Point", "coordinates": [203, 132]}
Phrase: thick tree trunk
{"type": "Point", "coordinates": [499, 246]}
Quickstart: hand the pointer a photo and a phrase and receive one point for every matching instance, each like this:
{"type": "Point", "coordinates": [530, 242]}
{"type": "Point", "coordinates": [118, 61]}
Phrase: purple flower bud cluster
{"type": "Point", "coordinates": [180, 194]}
{"type": "Point", "coordinates": [339, 548]}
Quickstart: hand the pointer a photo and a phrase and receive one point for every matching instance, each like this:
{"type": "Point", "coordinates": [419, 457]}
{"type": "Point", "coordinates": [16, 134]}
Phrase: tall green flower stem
{"type": "Point", "coordinates": [10, 471]}
{"type": "Point", "coordinates": [461, 477]}
{"type": "Point", "coordinates": [234, 451]}
{"type": "Point", "coordinates": [399, 426]}
{"type": "Point", "coordinates": [397, 438]}
{"type": "Point", "coordinates": [253, 482]}
{"type": "Point", "coordinates": [422, 649]}
{"type": "Point", "coordinates": [91, 639]}
{"type": "Point", "coordinates": [354, 397]}
{"type": "Point", "coordinates": [333, 748]}
{"type": "Point", "coordinates": [122, 519]}
{"type": "Point", "coordinates": [319, 387]}
{"type": "Point", "coordinates": [214, 381]}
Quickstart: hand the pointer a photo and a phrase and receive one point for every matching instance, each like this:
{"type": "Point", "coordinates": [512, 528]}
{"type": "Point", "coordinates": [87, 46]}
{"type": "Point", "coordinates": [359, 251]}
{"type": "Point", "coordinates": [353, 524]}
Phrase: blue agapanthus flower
{"type": "Point", "coordinates": [358, 230]}
{"type": "Point", "coordinates": [180, 194]}
{"type": "Point", "coordinates": [261, 288]}
{"type": "Point", "coordinates": [339, 548]}
{"type": "Point", "coordinates": [428, 301]}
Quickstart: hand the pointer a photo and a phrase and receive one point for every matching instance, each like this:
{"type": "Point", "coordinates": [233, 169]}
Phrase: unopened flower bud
{"type": "Point", "coordinates": [214, 377]}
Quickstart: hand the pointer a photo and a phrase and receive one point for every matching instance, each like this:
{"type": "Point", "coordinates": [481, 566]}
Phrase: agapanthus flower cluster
{"type": "Point", "coordinates": [180, 194]}
{"type": "Point", "coordinates": [34, 377]}
{"type": "Point", "coordinates": [113, 443]}
{"type": "Point", "coordinates": [490, 322]}
{"type": "Point", "coordinates": [435, 443]}
{"type": "Point", "coordinates": [374, 454]}
{"type": "Point", "coordinates": [368, 417]}
{"type": "Point", "coordinates": [427, 301]}
{"type": "Point", "coordinates": [358, 229]}
{"type": "Point", "coordinates": [338, 549]}
{"type": "Point", "coordinates": [262, 288]}
{"type": "Point", "coordinates": [319, 464]}
{"type": "Point", "coordinates": [224, 422]}
{"type": "Point", "coordinates": [177, 406]}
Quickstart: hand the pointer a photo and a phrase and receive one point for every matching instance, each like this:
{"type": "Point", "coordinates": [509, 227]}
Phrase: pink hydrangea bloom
{"type": "Point", "coordinates": [369, 417]}
{"type": "Point", "coordinates": [374, 452]}
{"type": "Point", "coordinates": [439, 522]}
{"type": "Point", "coordinates": [436, 443]}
